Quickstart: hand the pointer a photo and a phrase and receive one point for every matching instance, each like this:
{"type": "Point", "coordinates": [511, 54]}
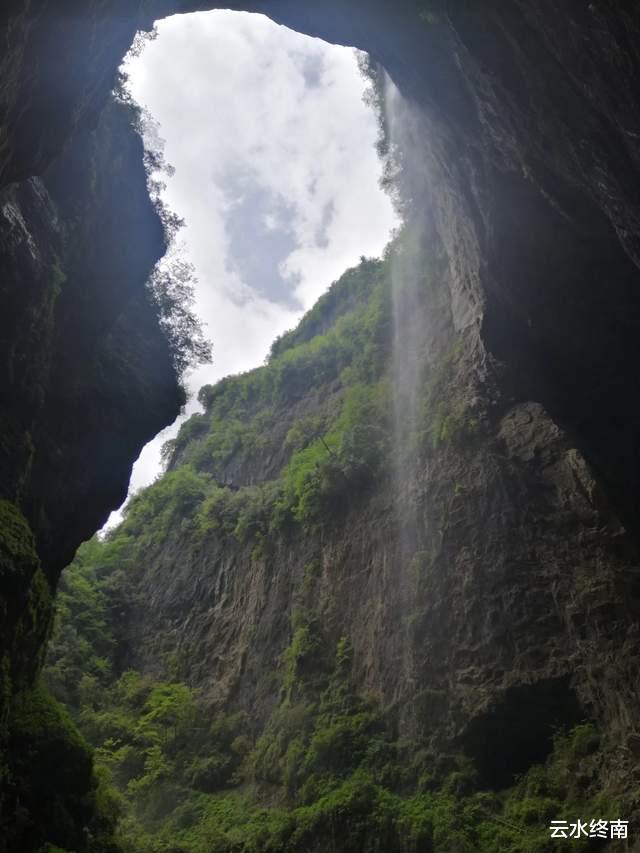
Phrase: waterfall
{"type": "Point", "coordinates": [409, 343]}
{"type": "Point", "coordinates": [412, 315]}
{"type": "Point", "coordinates": [405, 379]}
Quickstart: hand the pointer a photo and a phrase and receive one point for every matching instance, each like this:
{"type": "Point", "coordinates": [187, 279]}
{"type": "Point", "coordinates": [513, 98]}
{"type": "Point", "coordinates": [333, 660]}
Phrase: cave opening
{"type": "Point", "coordinates": [264, 143]}
{"type": "Point", "coordinates": [517, 731]}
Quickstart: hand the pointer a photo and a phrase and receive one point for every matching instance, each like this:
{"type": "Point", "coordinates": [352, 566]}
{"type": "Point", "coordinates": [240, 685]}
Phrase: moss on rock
{"type": "Point", "coordinates": [53, 796]}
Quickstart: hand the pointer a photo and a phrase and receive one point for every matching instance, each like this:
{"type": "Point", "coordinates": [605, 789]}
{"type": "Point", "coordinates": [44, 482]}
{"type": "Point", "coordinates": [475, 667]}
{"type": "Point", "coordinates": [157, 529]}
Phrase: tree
{"type": "Point", "coordinates": [172, 287]}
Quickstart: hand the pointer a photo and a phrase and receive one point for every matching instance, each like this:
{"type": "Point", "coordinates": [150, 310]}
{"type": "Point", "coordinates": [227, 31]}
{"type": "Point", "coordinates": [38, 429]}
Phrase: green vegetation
{"type": "Point", "coordinates": [48, 791]}
{"type": "Point", "coordinates": [172, 290]}
{"type": "Point", "coordinates": [319, 411]}
{"type": "Point", "coordinates": [357, 287]}
{"type": "Point", "coordinates": [26, 622]}
{"type": "Point", "coordinates": [321, 462]}
{"type": "Point", "coordinates": [446, 417]}
{"type": "Point", "coordinates": [50, 785]}
{"type": "Point", "coordinates": [280, 455]}
{"type": "Point", "coordinates": [327, 770]}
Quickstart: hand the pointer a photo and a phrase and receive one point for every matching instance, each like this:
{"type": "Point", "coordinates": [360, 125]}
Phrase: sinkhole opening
{"type": "Point", "coordinates": [263, 156]}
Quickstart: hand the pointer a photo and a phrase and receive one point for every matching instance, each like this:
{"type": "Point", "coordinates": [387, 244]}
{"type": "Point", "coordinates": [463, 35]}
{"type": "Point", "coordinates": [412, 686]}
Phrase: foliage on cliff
{"type": "Point", "coordinates": [329, 771]}
{"type": "Point", "coordinates": [286, 452]}
{"type": "Point", "coordinates": [59, 802]}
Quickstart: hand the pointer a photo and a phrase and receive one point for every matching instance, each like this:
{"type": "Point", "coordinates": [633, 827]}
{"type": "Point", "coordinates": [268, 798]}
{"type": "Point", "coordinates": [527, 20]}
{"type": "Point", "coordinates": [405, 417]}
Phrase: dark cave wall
{"type": "Point", "coordinates": [106, 328]}
{"type": "Point", "coordinates": [87, 376]}
{"type": "Point", "coordinates": [555, 92]}
{"type": "Point", "coordinates": [81, 393]}
{"type": "Point", "coordinates": [57, 69]}
{"type": "Point", "coordinates": [87, 379]}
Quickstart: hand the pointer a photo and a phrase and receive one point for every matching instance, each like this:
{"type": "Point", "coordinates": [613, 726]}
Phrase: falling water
{"type": "Point", "coordinates": [405, 373]}
{"type": "Point", "coordinates": [409, 326]}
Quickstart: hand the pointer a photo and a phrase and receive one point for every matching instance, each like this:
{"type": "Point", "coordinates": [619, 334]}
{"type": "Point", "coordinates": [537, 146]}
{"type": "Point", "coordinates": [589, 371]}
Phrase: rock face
{"type": "Point", "coordinates": [464, 552]}
{"type": "Point", "coordinates": [494, 600]}
{"type": "Point", "coordinates": [530, 138]}
{"type": "Point", "coordinates": [87, 379]}
{"type": "Point", "coordinates": [77, 248]}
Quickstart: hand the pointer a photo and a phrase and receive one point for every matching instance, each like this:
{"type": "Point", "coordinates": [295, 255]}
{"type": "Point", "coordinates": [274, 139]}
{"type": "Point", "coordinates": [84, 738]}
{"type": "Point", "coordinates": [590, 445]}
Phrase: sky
{"type": "Point", "coordinates": [276, 176]}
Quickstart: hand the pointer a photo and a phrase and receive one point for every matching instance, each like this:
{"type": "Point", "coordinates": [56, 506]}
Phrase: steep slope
{"type": "Point", "coordinates": [448, 544]}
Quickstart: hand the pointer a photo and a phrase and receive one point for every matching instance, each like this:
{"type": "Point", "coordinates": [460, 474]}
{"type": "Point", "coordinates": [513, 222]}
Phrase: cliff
{"type": "Point", "coordinates": [87, 378]}
{"type": "Point", "coordinates": [445, 546]}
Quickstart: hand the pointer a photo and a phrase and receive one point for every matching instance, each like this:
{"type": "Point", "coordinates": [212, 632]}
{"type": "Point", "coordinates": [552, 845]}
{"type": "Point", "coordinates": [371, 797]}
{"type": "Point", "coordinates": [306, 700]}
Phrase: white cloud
{"type": "Point", "coordinates": [248, 107]}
